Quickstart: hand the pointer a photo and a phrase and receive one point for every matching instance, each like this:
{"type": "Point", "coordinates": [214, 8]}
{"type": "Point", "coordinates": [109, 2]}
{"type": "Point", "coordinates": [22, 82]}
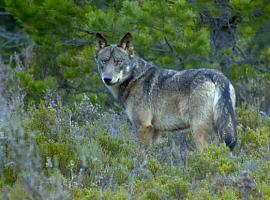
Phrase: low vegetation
{"type": "Point", "coordinates": [60, 152]}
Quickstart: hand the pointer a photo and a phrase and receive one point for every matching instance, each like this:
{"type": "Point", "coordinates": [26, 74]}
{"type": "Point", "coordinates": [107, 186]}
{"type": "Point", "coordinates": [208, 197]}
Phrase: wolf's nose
{"type": "Point", "coordinates": [107, 80]}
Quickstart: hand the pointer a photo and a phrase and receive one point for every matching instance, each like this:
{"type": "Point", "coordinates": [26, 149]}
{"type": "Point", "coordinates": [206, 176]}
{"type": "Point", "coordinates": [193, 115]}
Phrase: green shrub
{"type": "Point", "coordinates": [97, 194]}
{"type": "Point", "coordinates": [100, 159]}
{"type": "Point", "coordinates": [43, 119]}
{"type": "Point", "coordinates": [210, 161]}
{"type": "Point", "coordinates": [253, 132]}
{"type": "Point", "coordinates": [262, 177]}
{"type": "Point", "coordinates": [161, 187]}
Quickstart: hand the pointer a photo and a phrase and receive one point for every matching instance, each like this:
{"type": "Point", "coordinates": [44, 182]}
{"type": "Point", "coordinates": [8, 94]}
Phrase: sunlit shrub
{"type": "Point", "coordinates": [253, 132]}
{"type": "Point", "coordinates": [210, 161]}
{"type": "Point", "coordinates": [161, 187]}
{"type": "Point", "coordinates": [100, 159]}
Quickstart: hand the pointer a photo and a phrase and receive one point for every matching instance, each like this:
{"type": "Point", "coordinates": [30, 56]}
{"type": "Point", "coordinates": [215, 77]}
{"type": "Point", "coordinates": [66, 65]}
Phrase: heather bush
{"type": "Point", "coordinates": [48, 154]}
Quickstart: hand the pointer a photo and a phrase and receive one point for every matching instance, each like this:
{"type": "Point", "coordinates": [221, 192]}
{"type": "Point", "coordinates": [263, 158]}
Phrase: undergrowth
{"type": "Point", "coordinates": [52, 153]}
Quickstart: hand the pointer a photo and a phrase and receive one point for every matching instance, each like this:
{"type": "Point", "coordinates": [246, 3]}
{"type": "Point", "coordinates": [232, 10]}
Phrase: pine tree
{"type": "Point", "coordinates": [227, 35]}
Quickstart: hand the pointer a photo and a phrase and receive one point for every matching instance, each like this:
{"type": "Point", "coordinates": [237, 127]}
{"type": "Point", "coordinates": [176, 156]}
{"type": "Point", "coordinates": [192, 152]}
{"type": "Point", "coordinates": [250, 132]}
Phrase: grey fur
{"type": "Point", "coordinates": [158, 100]}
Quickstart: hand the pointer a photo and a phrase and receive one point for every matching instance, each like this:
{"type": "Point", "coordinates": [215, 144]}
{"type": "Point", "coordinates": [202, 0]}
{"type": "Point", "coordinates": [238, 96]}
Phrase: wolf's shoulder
{"type": "Point", "coordinates": [189, 73]}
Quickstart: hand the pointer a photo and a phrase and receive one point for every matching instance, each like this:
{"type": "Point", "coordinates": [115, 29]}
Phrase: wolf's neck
{"type": "Point", "coordinates": [139, 68]}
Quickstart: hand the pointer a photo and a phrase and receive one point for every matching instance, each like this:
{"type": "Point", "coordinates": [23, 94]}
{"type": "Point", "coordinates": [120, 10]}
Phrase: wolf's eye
{"type": "Point", "coordinates": [119, 62]}
{"type": "Point", "coordinates": [104, 61]}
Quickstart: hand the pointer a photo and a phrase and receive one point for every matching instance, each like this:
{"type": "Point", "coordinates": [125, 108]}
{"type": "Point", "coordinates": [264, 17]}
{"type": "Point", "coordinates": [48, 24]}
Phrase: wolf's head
{"type": "Point", "coordinates": [115, 60]}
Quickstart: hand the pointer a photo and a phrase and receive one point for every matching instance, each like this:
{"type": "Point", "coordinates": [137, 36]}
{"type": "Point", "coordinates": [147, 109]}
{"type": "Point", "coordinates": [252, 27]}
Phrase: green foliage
{"type": "Point", "coordinates": [100, 159]}
{"type": "Point", "coordinates": [204, 192]}
{"type": "Point", "coordinates": [262, 177]}
{"type": "Point", "coordinates": [35, 89]}
{"type": "Point", "coordinates": [162, 187]}
{"type": "Point", "coordinates": [10, 175]}
{"type": "Point", "coordinates": [210, 161]}
{"type": "Point", "coordinates": [51, 25]}
{"type": "Point", "coordinates": [163, 34]}
{"type": "Point", "coordinates": [43, 119]}
{"type": "Point", "coordinates": [154, 166]}
{"type": "Point", "coordinates": [255, 131]}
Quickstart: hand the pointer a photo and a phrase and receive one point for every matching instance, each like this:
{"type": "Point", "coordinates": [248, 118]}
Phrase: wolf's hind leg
{"type": "Point", "coordinates": [199, 134]}
{"type": "Point", "coordinates": [201, 109]}
{"type": "Point", "coordinates": [155, 136]}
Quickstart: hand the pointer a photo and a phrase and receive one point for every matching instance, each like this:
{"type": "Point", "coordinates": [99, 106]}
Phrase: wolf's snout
{"type": "Point", "coordinates": [107, 80]}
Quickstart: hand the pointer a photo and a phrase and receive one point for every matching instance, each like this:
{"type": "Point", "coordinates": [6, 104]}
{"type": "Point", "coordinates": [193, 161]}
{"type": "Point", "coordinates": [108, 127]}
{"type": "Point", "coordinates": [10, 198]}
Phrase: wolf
{"type": "Point", "coordinates": [158, 100]}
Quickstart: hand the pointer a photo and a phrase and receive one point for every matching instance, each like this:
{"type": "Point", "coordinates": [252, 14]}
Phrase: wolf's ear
{"type": "Point", "coordinates": [126, 43]}
{"type": "Point", "coordinates": [101, 42]}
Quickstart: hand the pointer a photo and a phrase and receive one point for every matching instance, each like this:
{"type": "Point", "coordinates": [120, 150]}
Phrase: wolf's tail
{"type": "Point", "coordinates": [224, 116]}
